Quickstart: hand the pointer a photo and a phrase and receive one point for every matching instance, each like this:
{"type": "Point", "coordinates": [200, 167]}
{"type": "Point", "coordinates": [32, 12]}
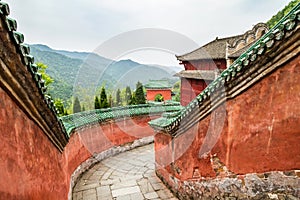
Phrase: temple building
{"type": "Point", "coordinates": [159, 90]}
{"type": "Point", "coordinates": [202, 65]}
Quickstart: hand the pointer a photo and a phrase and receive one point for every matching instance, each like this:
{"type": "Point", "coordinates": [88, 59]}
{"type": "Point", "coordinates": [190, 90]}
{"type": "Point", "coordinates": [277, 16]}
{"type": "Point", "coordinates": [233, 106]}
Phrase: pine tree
{"type": "Point", "coordinates": [118, 98]}
{"type": "Point", "coordinates": [97, 103]}
{"type": "Point", "coordinates": [128, 95]}
{"type": "Point", "coordinates": [103, 99]}
{"type": "Point", "coordinates": [76, 106]}
{"type": "Point", "coordinates": [139, 94]}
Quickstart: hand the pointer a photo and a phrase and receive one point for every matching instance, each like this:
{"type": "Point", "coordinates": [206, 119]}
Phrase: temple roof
{"type": "Point", "coordinates": [158, 84]}
{"type": "Point", "coordinates": [217, 49]}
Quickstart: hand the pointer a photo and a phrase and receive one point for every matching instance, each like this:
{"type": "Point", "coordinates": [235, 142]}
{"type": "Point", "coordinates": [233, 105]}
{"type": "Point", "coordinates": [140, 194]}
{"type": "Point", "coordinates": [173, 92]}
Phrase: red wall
{"type": "Point", "coordinates": [205, 64]}
{"type": "Point", "coordinates": [190, 88]}
{"type": "Point", "coordinates": [30, 165]}
{"type": "Point", "coordinates": [261, 132]}
{"type": "Point", "coordinates": [166, 93]}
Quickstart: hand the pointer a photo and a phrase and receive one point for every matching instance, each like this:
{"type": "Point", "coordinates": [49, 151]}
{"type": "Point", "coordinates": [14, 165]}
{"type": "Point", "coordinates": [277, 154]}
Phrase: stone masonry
{"type": "Point", "coordinates": [129, 175]}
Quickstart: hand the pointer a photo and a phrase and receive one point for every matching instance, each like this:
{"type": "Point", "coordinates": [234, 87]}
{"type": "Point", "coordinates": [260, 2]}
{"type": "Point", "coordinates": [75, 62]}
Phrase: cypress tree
{"type": "Point", "coordinates": [97, 103]}
{"type": "Point", "coordinates": [132, 100]}
{"type": "Point", "coordinates": [110, 101]}
{"type": "Point", "coordinates": [139, 94]}
{"type": "Point", "coordinates": [128, 95]}
{"type": "Point", "coordinates": [103, 99]}
{"type": "Point", "coordinates": [118, 98]}
{"type": "Point", "coordinates": [76, 106]}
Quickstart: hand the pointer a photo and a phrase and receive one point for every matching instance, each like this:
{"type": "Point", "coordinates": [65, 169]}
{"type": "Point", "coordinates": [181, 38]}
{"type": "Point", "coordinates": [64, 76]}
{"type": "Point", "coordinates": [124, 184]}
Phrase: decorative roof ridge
{"type": "Point", "coordinates": [233, 77]}
{"type": "Point", "coordinates": [49, 123]}
{"type": "Point", "coordinates": [88, 118]}
{"type": "Point", "coordinates": [253, 31]}
{"type": "Point", "coordinates": [231, 40]}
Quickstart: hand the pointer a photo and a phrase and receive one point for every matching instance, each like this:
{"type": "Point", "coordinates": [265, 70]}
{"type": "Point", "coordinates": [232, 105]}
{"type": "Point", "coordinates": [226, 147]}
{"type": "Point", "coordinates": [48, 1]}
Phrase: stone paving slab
{"type": "Point", "coordinates": [127, 176]}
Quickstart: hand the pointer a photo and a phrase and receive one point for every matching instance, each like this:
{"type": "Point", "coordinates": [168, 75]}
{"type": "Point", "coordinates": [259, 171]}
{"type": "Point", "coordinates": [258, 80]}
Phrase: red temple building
{"type": "Point", "coordinates": [156, 88]}
{"type": "Point", "coordinates": [202, 65]}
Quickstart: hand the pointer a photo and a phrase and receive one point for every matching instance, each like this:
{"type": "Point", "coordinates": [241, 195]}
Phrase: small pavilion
{"type": "Point", "coordinates": [159, 90]}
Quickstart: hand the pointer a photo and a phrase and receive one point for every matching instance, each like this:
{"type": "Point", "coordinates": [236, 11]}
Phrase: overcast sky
{"type": "Point", "coordinates": [83, 25]}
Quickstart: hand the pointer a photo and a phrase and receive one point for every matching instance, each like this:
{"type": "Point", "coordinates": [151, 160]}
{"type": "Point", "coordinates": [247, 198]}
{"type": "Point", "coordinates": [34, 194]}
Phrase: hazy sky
{"type": "Point", "coordinates": [83, 25]}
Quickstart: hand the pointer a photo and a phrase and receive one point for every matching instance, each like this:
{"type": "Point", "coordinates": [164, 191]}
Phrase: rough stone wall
{"type": "Point", "coordinates": [260, 135]}
{"type": "Point", "coordinates": [31, 166]}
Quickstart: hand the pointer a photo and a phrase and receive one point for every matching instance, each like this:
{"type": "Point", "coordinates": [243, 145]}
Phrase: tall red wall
{"type": "Point", "coordinates": [261, 132]}
{"type": "Point", "coordinates": [166, 93]}
{"type": "Point", "coordinates": [31, 167]}
{"type": "Point", "coordinates": [190, 88]}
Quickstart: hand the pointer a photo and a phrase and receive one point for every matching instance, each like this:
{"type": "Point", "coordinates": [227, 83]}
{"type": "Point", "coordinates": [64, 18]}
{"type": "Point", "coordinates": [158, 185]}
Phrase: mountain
{"type": "Point", "coordinates": [82, 73]}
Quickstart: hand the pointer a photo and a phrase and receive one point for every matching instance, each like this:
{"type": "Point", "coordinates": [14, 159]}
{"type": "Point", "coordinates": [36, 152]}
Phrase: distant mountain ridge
{"type": "Point", "coordinates": [78, 73]}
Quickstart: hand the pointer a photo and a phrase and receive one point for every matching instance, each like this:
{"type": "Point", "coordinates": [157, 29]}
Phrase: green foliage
{"type": "Point", "coordinates": [275, 19]}
{"type": "Point", "coordinates": [132, 100]}
{"type": "Point", "coordinates": [110, 101]}
{"type": "Point", "coordinates": [128, 95]}
{"type": "Point", "coordinates": [42, 70]}
{"type": "Point", "coordinates": [83, 108]}
{"type": "Point", "coordinates": [159, 98]}
{"type": "Point", "coordinates": [118, 98]}
{"type": "Point", "coordinates": [103, 99]}
{"type": "Point", "coordinates": [139, 94]}
{"type": "Point", "coordinates": [76, 106]}
{"type": "Point", "coordinates": [176, 90]}
{"type": "Point", "coordinates": [97, 103]}
{"type": "Point", "coordinates": [60, 107]}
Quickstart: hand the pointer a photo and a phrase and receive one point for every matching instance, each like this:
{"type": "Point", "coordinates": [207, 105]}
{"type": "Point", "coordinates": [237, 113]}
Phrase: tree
{"type": "Point", "coordinates": [103, 99]}
{"type": "Point", "coordinates": [42, 70]}
{"type": "Point", "coordinates": [110, 101]}
{"type": "Point", "coordinates": [60, 107]}
{"type": "Point", "coordinates": [139, 94]}
{"type": "Point", "coordinates": [275, 19]}
{"type": "Point", "coordinates": [83, 108]}
{"type": "Point", "coordinates": [159, 98]}
{"type": "Point", "coordinates": [118, 98]}
{"type": "Point", "coordinates": [128, 95]}
{"type": "Point", "coordinates": [132, 100]}
{"type": "Point", "coordinates": [97, 103]}
{"type": "Point", "coordinates": [76, 106]}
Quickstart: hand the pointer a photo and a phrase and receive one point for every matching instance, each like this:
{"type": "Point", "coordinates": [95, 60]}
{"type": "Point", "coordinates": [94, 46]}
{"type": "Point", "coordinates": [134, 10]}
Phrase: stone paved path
{"type": "Point", "coordinates": [127, 176]}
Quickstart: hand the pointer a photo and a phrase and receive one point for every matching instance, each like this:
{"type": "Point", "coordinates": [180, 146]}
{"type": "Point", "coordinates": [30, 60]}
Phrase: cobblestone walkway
{"type": "Point", "coordinates": [129, 175]}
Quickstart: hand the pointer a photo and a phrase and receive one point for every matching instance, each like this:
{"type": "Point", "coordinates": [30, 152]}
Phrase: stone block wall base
{"type": "Point", "coordinates": [269, 185]}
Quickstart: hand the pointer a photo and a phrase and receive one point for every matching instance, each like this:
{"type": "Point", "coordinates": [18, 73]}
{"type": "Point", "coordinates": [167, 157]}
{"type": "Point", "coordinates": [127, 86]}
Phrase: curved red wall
{"type": "Point", "coordinates": [31, 167]}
